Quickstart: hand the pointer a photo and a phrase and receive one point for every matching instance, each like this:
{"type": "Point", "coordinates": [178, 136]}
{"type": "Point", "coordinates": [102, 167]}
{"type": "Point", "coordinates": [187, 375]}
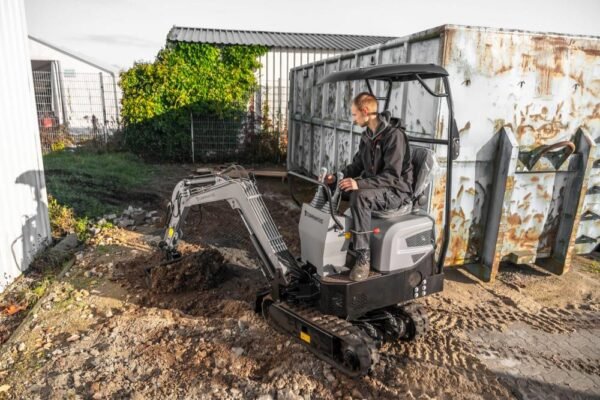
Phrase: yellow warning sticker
{"type": "Point", "coordinates": [171, 232]}
{"type": "Point", "coordinates": [305, 336]}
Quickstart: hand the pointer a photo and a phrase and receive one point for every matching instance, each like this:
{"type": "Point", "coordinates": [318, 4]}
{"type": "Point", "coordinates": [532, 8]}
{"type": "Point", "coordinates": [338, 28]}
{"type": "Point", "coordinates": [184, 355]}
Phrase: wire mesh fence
{"type": "Point", "coordinates": [244, 138]}
{"type": "Point", "coordinates": [75, 108]}
{"type": "Point", "coordinates": [272, 105]}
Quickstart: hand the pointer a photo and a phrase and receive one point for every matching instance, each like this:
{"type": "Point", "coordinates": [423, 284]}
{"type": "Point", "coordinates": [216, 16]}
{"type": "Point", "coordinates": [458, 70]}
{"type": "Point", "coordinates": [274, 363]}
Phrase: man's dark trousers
{"type": "Point", "coordinates": [363, 202]}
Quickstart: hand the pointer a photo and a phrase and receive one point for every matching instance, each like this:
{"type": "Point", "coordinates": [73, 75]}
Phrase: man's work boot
{"type": "Point", "coordinates": [360, 271]}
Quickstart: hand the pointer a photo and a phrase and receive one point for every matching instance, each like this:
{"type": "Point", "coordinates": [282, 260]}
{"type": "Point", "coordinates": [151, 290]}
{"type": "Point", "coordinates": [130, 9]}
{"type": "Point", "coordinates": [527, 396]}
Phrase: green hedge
{"type": "Point", "coordinates": [186, 77]}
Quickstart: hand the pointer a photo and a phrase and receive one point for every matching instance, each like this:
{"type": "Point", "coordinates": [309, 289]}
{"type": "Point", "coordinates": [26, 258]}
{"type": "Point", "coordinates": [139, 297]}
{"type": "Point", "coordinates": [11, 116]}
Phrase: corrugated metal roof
{"type": "Point", "coordinates": [286, 40]}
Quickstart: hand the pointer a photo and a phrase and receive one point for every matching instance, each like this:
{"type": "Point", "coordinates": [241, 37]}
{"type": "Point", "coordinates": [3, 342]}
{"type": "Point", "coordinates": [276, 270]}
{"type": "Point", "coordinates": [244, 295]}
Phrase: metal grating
{"type": "Point", "coordinates": [420, 239]}
{"type": "Point", "coordinates": [417, 257]}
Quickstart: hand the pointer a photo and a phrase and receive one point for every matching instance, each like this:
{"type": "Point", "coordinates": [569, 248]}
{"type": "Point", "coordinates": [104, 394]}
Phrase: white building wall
{"type": "Point", "coordinates": [24, 223]}
{"type": "Point", "coordinates": [82, 93]}
{"type": "Point", "coordinates": [273, 78]}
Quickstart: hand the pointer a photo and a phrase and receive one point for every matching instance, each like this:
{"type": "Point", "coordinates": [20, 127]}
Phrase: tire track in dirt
{"type": "Point", "coordinates": [525, 356]}
{"type": "Point", "coordinates": [493, 318]}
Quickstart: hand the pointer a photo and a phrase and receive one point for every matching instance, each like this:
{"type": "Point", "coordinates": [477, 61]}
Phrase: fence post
{"type": "Point", "coordinates": [62, 98]}
{"type": "Point", "coordinates": [116, 100]}
{"type": "Point", "coordinates": [103, 107]}
{"type": "Point", "coordinates": [192, 133]}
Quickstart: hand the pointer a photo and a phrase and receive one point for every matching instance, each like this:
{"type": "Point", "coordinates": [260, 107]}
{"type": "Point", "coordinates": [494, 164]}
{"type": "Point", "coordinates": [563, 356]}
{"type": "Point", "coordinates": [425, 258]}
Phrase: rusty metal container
{"type": "Point", "coordinates": [526, 187]}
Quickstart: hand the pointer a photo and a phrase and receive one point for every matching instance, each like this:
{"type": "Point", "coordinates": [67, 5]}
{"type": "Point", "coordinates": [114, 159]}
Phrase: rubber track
{"type": "Point", "coordinates": [354, 337]}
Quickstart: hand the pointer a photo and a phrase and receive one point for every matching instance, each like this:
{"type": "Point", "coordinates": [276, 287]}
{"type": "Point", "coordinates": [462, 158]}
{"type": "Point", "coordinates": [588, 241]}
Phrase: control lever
{"type": "Point", "coordinates": [337, 194]}
{"type": "Point", "coordinates": [320, 198]}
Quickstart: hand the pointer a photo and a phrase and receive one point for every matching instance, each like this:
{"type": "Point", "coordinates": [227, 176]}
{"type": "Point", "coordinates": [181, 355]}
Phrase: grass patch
{"type": "Point", "coordinates": [93, 184]}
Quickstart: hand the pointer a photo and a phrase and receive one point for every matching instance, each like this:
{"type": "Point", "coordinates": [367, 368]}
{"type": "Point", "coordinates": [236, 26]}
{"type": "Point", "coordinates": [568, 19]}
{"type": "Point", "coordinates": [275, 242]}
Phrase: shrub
{"type": "Point", "coordinates": [63, 221]}
{"type": "Point", "coordinates": [185, 78]}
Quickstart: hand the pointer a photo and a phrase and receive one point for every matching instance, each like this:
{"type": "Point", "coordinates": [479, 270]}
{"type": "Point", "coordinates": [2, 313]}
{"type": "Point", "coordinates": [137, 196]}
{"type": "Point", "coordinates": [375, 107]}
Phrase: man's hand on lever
{"type": "Point", "coordinates": [348, 184]}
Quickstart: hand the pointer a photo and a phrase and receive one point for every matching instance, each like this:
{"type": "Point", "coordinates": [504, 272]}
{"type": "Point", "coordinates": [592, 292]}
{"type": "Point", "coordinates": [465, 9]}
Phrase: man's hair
{"type": "Point", "coordinates": [365, 100]}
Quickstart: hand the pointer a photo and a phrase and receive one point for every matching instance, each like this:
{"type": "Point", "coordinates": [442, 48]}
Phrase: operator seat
{"type": "Point", "coordinates": [423, 162]}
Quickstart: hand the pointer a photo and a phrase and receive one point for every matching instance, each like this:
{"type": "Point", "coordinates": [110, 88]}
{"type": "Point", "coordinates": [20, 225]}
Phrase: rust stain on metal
{"type": "Point", "coordinates": [510, 183]}
{"type": "Point", "coordinates": [440, 129]}
{"type": "Point", "coordinates": [526, 62]}
{"type": "Point", "coordinates": [459, 237]}
{"type": "Point", "coordinates": [514, 219]}
{"type": "Point", "coordinates": [465, 128]}
{"type": "Point", "coordinates": [459, 213]}
{"type": "Point", "coordinates": [532, 234]}
{"type": "Point", "coordinates": [550, 53]}
{"type": "Point", "coordinates": [541, 127]}
{"type": "Point", "coordinates": [503, 69]}
{"type": "Point", "coordinates": [591, 52]}
{"type": "Point", "coordinates": [438, 199]}
{"type": "Point", "coordinates": [501, 123]}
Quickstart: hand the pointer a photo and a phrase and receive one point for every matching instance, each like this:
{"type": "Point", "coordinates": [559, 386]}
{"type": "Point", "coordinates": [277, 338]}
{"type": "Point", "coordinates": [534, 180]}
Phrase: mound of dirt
{"type": "Point", "coordinates": [203, 270]}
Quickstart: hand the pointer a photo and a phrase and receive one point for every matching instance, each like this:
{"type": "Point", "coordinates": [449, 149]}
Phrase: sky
{"type": "Point", "coordinates": [120, 32]}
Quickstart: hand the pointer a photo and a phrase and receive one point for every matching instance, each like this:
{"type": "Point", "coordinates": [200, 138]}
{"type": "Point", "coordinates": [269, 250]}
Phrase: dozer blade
{"type": "Point", "coordinates": [332, 339]}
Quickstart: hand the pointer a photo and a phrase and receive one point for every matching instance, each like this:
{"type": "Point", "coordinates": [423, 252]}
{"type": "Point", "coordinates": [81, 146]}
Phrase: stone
{"type": "Point", "coordinates": [153, 240]}
{"type": "Point", "coordinates": [125, 222]}
{"type": "Point", "coordinates": [138, 217]}
{"type": "Point", "coordinates": [242, 325]}
{"type": "Point", "coordinates": [221, 363]}
{"type": "Point", "coordinates": [73, 338]}
{"type": "Point", "coordinates": [21, 347]}
{"type": "Point", "coordinates": [328, 375]}
{"type": "Point", "coordinates": [238, 351]}
{"type": "Point", "coordinates": [77, 379]}
{"type": "Point", "coordinates": [287, 394]}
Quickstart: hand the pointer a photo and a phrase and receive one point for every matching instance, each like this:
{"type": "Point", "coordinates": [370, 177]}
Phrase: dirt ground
{"type": "Point", "coordinates": [113, 329]}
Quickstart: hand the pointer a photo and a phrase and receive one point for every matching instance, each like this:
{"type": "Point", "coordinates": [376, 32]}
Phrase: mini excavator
{"type": "Point", "coordinates": [311, 298]}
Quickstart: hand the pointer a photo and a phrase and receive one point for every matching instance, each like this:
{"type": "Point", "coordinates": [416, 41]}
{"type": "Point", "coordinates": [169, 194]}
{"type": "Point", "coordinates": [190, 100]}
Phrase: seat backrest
{"type": "Point", "coordinates": [424, 163]}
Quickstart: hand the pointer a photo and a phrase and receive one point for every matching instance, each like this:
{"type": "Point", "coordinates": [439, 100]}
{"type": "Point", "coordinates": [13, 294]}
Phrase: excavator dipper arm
{"type": "Point", "coordinates": [242, 195]}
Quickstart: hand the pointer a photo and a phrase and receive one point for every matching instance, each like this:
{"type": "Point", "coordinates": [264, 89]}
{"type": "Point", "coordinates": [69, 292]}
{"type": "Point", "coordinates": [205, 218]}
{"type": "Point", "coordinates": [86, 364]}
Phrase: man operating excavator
{"type": "Point", "coordinates": [379, 178]}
